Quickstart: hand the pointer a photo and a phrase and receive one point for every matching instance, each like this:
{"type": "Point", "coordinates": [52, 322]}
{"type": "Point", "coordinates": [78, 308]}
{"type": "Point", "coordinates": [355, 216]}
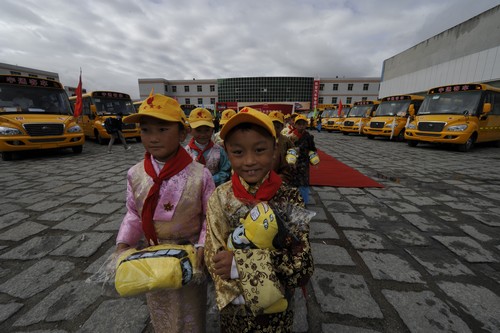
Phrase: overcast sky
{"type": "Point", "coordinates": [117, 42]}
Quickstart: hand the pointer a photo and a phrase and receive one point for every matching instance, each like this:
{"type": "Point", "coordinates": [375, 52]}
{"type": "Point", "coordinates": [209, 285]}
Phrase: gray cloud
{"type": "Point", "coordinates": [118, 41]}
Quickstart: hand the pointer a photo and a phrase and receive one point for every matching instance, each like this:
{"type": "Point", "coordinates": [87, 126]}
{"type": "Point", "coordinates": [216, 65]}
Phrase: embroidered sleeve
{"type": "Point", "coordinates": [224, 172]}
{"type": "Point", "coordinates": [130, 229]}
{"type": "Point", "coordinates": [208, 188]}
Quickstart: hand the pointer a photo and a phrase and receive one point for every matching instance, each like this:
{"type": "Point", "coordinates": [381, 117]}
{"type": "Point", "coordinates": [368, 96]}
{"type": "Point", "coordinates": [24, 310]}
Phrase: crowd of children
{"type": "Point", "coordinates": [202, 192]}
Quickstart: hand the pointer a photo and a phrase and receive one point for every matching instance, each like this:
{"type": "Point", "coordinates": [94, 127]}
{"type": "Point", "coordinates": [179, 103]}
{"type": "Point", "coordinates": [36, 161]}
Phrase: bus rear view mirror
{"type": "Point", "coordinates": [486, 107]}
{"type": "Point", "coordinates": [411, 110]}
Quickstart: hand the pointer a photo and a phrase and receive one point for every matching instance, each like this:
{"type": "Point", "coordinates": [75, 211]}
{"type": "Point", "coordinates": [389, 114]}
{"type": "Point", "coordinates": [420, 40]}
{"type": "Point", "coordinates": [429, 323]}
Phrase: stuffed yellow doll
{"type": "Point", "coordinates": [258, 230]}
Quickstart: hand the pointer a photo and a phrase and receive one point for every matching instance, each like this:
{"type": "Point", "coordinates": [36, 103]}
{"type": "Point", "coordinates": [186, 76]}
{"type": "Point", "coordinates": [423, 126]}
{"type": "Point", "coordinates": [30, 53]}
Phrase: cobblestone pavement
{"type": "Point", "coordinates": [419, 255]}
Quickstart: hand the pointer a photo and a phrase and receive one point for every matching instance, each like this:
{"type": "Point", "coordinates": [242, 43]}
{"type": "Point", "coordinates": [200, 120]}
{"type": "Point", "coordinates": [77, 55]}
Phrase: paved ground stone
{"type": "Point", "coordinates": [64, 303]}
{"type": "Point", "coordinates": [489, 219]}
{"type": "Point", "coordinates": [339, 206]}
{"type": "Point", "coordinates": [474, 233]}
{"type": "Point", "coordinates": [35, 248]}
{"type": "Point", "coordinates": [83, 245]}
{"type": "Point", "coordinates": [362, 200]}
{"type": "Point", "coordinates": [22, 231]}
{"type": "Point", "coordinates": [406, 236]}
{"type": "Point", "coordinates": [422, 223]}
{"type": "Point", "coordinates": [77, 222]}
{"type": "Point", "coordinates": [91, 198]}
{"type": "Point", "coordinates": [347, 220]}
{"type": "Point", "coordinates": [343, 293]}
{"type": "Point", "coordinates": [380, 214]}
{"type": "Point", "coordinates": [423, 312]}
{"type": "Point", "coordinates": [7, 310]}
{"type": "Point", "coordinates": [118, 316]}
{"type": "Point", "coordinates": [37, 278]}
{"type": "Point", "coordinates": [444, 264]}
{"type": "Point", "coordinates": [480, 302]}
{"type": "Point", "coordinates": [386, 266]}
{"type": "Point", "coordinates": [366, 240]}
{"type": "Point", "coordinates": [12, 218]}
{"type": "Point", "coordinates": [330, 255]}
{"type": "Point", "coordinates": [322, 230]}
{"type": "Point", "coordinates": [58, 214]}
{"type": "Point", "coordinates": [467, 248]}
{"type": "Point", "coordinates": [336, 328]}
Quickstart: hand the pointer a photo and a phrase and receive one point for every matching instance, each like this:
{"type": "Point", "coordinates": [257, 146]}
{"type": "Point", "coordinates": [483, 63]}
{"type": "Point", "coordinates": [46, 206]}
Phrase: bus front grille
{"type": "Point", "coordinates": [44, 129]}
{"type": "Point", "coordinates": [430, 126]}
{"type": "Point", "coordinates": [377, 124]}
{"type": "Point", "coordinates": [127, 126]}
{"type": "Point", "coordinates": [348, 123]}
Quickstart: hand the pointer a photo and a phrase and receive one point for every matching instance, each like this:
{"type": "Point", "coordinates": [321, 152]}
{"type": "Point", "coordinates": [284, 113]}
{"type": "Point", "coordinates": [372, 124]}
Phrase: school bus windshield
{"type": "Point", "coordinates": [462, 102]}
{"type": "Point", "coordinates": [113, 106]}
{"type": "Point", "coordinates": [392, 108]}
{"type": "Point", "coordinates": [28, 100]}
{"type": "Point", "coordinates": [359, 110]}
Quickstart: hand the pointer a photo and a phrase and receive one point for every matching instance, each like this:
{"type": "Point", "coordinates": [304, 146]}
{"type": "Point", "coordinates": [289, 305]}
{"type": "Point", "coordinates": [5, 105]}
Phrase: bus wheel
{"type": "Point", "coordinates": [7, 156]}
{"type": "Point", "coordinates": [467, 146]}
{"type": "Point", "coordinates": [371, 137]}
{"type": "Point", "coordinates": [412, 143]}
{"type": "Point", "coordinates": [345, 133]}
{"type": "Point", "coordinates": [77, 149]}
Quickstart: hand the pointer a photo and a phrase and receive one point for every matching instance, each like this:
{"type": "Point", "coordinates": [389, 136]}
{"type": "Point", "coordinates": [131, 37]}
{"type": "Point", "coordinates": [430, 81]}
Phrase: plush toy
{"type": "Point", "coordinates": [291, 156]}
{"type": "Point", "coordinates": [260, 229]}
{"type": "Point", "coordinates": [313, 157]}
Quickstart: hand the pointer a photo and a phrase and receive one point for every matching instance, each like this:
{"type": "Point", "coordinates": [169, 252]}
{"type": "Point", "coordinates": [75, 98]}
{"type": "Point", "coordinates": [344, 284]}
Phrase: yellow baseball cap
{"type": "Point", "coordinates": [277, 116]}
{"type": "Point", "coordinates": [200, 117]}
{"type": "Point", "coordinates": [226, 115]}
{"type": "Point", "coordinates": [249, 115]}
{"type": "Point", "coordinates": [161, 107]}
{"type": "Point", "coordinates": [300, 117]}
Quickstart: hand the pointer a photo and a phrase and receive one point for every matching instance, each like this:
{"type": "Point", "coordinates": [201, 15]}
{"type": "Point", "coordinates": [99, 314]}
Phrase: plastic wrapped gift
{"type": "Point", "coordinates": [291, 156]}
{"type": "Point", "coordinates": [313, 157]}
{"type": "Point", "coordinates": [164, 266]}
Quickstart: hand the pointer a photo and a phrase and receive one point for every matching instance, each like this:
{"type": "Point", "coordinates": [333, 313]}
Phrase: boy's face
{"type": "Point", "coordinates": [161, 138]}
{"type": "Point", "coordinates": [301, 125]}
{"type": "Point", "coordinates": [202, 134]}
{"type": "Point", "coordinates": [251, 153]}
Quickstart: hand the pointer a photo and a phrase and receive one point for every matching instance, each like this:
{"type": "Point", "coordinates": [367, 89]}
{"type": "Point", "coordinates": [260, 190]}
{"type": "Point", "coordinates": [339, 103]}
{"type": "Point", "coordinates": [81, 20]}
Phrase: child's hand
{"type": "Point", "coordinates": [200, 258]}
{"type": "Point", "coordinates": [223, 261]}
{"type": "Point", "coordinates": [120, 247]}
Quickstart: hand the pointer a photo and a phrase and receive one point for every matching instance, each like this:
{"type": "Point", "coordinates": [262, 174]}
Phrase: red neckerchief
{"type": "Point", "coordinates": [297, 133]}
{"type": "Point", "coordinates": [170, 169]}
{"type": "Point", "coordinates": [266, 190]}
{"type": "Point", "coordinates": [200, 158]}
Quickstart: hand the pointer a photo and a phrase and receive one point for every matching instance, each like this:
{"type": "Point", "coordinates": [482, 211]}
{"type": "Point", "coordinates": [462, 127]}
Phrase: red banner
{"type": "Point", "coordinates": [78, 103]}
{"type": "Point", "coordinates": [340, 108]}
{"type": "Point", "coordinates": [315, 95]}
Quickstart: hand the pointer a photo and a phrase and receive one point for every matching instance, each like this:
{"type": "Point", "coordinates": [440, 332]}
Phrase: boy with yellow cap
{"type": "Point", "coordinates": [225, 116]}
{"type": "Point", "coordinates": [303, 143]}
{"type": "Point", "coordinates": [202, 148]}
{"type": "Point", "coordinates": [280, 164]}
{"type": "Point", "coordinates": [167, 195]}
{"type": "Point", "coordinates": [241, 275]}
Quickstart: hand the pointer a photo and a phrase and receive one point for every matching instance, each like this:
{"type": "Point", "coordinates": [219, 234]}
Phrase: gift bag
{"type": "Point", "coordinates": [164, 266]}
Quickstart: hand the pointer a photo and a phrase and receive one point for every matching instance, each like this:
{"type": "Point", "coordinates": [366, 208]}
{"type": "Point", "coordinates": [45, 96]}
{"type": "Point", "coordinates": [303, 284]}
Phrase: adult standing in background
{"type": "Point", "coordinates": [114, 128]}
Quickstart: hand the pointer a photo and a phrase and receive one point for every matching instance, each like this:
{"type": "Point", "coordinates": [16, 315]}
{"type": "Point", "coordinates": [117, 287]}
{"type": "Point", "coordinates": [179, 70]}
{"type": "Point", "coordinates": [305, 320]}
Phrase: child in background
{"type": "Point", "coordinates": [202, 148]}
{"type": "Point", "coordinates": [280, 165]}
{"type": "Point", "coordinates": [167, 195]}
{"type": "Point", "coordinates": [303, 142]}
{"type": "Point", "coordinates": [250, 141]}
{"type": "Point", "coordinates": [225, 116]}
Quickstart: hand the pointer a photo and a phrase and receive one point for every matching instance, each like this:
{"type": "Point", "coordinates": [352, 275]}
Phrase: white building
{"type": "Point", "coordinates": [466, 53]}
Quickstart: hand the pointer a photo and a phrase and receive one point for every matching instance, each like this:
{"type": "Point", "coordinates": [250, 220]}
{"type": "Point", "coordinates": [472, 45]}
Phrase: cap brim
{"type": "Point", "coordinates": [279, 121]}
{"type": "Point", "coordinates": [244, 117]}
{"type": "Point", "coordinates": [199, 123]}
{"type": "Point", "coordinates": [135, 118]}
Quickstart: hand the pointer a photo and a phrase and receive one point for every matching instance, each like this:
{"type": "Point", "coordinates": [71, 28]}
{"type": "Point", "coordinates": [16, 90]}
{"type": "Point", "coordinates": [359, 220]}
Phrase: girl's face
{"type": "Point", "coordinates": [202, 134]}
{"type": "Point", "coordinates": [251, 153]}
{"type": "Point", "coordinates": [301, 125]}
{"type": "Point", "coordinates": [161, 138]}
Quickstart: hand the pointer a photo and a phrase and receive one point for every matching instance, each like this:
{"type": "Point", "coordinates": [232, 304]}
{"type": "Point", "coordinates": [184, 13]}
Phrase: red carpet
{"type": "Point", "coordinates": [330, 172]}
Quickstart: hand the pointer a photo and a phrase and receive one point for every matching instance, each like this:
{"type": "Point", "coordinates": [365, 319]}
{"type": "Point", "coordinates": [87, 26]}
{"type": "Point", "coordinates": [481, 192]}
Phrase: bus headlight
{"type": "Point", "coordinates": [390, 125]}
{"type": "Point", "coordinates": [9, 131]}
{"type": "Point", "coordinates": [74, 129]}
{"type": "Point", "coordinates": [457, 128]}
{"type": "Point", "coordinates": [411, 126]}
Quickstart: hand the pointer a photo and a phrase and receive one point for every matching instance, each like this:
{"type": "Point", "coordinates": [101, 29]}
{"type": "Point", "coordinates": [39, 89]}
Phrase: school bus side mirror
{"type": "Point", "coordinates": [486, 107]}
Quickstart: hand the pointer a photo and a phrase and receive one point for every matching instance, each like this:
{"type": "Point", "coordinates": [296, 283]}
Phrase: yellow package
{"type": "Point", "coordinates": [165, 266]}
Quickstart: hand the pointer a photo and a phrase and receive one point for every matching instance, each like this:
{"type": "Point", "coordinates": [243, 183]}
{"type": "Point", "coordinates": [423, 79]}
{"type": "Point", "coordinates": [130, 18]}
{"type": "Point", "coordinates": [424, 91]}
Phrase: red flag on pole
{"type": "Point", "coordinates": [340, 108]}
{"type": "Point", "coordinates": [78, 103]}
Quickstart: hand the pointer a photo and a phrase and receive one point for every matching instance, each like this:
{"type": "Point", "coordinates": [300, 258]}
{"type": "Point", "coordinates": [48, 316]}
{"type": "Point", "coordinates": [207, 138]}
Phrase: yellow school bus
{"type": "Point", "coordinates": [333, 122]}
{"type": "Point", "coordinates": [99, 105]}
{"type": "Point", "coordinates": [358, 117]}
{"type": "Point", "coordinates": [460, 114]}
{"type": "Point", "coordinates": [137, 105]}
{"type": "Point", "coordinates": [36, 114]}
{"type": "Point", "coordinates": [391, 116]}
